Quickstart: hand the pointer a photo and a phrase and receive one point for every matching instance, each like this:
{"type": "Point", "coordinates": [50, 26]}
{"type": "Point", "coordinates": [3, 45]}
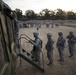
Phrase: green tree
{"type": "Point", "coordinates": [52, 15]}
{"type": "Point", "coordinates": [60, 14]}
{"type": "Point", "coordinates": [45, 13]}
{"type": "Point", "coordinates": [71, 15]}
{"type": "Point", "coordinates": [30, 14]}
{"type": "Point", "coordinates": [19, 13]}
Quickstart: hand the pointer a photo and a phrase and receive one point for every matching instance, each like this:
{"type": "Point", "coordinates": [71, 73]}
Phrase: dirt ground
{"type": "Point", "coordinates": [69, 66]}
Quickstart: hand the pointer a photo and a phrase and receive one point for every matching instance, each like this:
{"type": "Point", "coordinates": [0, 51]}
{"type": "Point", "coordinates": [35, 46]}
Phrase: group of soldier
{"type": "Point", "coordinates": [61, 45]}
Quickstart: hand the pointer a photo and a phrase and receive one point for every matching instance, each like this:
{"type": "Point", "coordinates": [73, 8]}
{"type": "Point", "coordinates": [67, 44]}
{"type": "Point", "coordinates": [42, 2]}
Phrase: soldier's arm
{"type": "Point", "coordinates": [64, 42]}
{"type": "Point", "coordinates": [30, 41]}
{"type": "Point", "coordinates": [57, 43]}
{"type": "Point", "coordinates": [75, 39]}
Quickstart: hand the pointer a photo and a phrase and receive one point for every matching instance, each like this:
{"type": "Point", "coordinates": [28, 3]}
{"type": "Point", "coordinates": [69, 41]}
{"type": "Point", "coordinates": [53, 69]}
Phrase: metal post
{"type": "Point", "coordinates": [42, 59]}
{"type": "Point", "coordinates": [20, 51]}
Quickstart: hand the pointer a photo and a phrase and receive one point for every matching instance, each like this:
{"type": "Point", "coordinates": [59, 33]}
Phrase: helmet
{"type": "Point", "coordinates": [60, 33]}
{"type": "Point", "coordinates": [35, 33]}
{"type": "Point", "coordinates": [49, 34]}
{"type": "Point", "coordinates": [70, 32]}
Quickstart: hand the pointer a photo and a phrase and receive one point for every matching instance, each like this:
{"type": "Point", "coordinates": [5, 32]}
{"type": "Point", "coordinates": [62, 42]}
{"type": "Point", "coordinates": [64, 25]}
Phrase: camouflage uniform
{"type": "Point", "coordinates": [49, 48]}
{"type": "Point", "coordinates": [36, 48]}
{"type": "Point", "coordinates": [75, 43]}
{"type": "Point", "coordinates": [71, 43]}
{"type": "Point", "coordinates": [61, 42]}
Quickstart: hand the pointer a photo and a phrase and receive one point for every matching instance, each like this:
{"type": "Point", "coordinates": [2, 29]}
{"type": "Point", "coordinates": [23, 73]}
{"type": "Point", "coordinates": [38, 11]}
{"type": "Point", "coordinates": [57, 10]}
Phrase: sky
{"type": "Point", "coordinates": [38, 5]}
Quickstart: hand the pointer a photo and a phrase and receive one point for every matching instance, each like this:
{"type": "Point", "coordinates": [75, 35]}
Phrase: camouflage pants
{"type": "Point", "coordinates": [71, 49]}
{"type": "Point", "coordinates": [36, 54]}
{"type": "Point", "coordinates": [61, 53]}
{"type": "Point", "coordinates": [50, 55]}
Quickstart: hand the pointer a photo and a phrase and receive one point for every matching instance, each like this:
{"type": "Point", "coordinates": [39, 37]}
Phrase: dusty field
{"type": "Point", "coordinates": [69, 66]}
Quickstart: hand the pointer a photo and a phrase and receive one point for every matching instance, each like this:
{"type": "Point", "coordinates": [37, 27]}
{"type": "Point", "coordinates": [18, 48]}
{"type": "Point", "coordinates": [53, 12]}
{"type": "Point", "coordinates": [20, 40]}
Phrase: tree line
{"type": "Point", "coordinates": [46, 14]}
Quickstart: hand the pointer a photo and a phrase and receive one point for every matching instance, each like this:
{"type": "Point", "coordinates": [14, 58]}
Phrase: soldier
{"type": "Point", "coordinates": [37, 27]}
{"type": "Point", "coordinates": [49, 48]}
{"type": "Point", "coordinates": [36, 48]}
{"type": "Point", "coordinates": [61, 46]}
{"type": "Point", "coordinates": [71, 43]}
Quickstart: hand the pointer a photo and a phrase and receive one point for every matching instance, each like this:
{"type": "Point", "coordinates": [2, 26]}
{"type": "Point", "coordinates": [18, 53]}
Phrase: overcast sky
{"type": "Point", "coordinates": [38, 5]}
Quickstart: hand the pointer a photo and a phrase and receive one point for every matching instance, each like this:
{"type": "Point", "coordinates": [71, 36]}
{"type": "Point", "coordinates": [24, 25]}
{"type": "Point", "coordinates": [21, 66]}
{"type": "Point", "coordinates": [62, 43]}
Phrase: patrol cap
{"type": "Point", "coordinates": [60, 33]}
{"type": "Point", "coordinates": [49, 34]}
{"type": "Point", "coordinates": [35, 33]}
{"type": "Point", "coordinates": [70, 32]}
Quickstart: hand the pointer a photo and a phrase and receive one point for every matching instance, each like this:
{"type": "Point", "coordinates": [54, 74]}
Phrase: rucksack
{"type": "Point", "coordinates": [72, 40]}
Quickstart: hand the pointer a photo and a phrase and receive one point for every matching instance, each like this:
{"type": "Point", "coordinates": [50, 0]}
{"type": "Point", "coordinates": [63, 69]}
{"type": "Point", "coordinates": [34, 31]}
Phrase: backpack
{"type": "Point", "coordinates": [72, 40]}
